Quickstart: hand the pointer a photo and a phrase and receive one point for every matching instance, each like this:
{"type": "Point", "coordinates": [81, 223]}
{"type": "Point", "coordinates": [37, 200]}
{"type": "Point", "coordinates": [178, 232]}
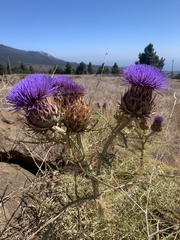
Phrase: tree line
{"type": "Point", "coordinates": [21, 69]}
{"type": "Point", "coordinates": [82, 68]}
{"type": "Point", "coordinates": [149, 57]}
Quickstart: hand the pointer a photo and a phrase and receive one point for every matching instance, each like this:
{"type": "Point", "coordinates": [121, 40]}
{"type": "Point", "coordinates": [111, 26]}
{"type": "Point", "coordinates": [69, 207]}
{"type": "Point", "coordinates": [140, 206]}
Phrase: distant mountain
{"type": "Point", "coordinates": [36, 59]}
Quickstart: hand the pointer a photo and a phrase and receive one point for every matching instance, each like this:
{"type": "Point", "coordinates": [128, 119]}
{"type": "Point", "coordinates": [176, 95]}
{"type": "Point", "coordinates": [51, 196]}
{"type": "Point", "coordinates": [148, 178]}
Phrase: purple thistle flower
{"type": "Point", "coordinates": [98, 104]}
{"type": "Point", "coordinates": [67, 86]}
{"type": "Point", "coordinates": [159, 119]}
{"type": "Point", "coordinates": [147, 76]}
{"type": "Point", "coordinates": [138, 101]}
{"type": "Point", "coordinates": [34, 94]}
{"type": "Point", "coordinates": [157, 124]}
{"type": "Point", "coordinates": [31, 89]}
{"type": "Point", "coordinates": [104, 104]}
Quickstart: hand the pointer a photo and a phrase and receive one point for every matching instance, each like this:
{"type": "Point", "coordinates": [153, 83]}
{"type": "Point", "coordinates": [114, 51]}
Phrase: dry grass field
{"type": "Point", "coordinates": [138, 195]}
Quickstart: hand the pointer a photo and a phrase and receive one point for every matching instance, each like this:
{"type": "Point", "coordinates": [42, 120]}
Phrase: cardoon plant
{"type": "Point", "coordinates": [34, 95]}
{"type": "Point", "coordinates": [138, 101]}
{"type": "Point", "coordinates": [143, 79]}
{"type": "Point", "coordinates": [70, 98]}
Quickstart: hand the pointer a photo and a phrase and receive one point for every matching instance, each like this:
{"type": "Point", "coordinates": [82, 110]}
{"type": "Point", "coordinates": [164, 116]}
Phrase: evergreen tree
{"type": "Point", "coordinates": [103, 70]}
{"type": "Point", "coordinates": [2, 70]}
{"type": "Point", "coordinates": [100, 69]}
{"type": "Point", "coordinates": [81, 69]}
{"type": "Point", "coordinates": [115, 69]}
{"type": "Point", "coordinates": [68, 69]}
{"type": "Point", "coordinates": [31, 69]}
{"type": "Point", "coordinates": [57, 70]}
{"type": "Point", "coordinates": [73, 70]}
{"type": "Point", "coordinates": [106, 70]}
{"type": "Point", "coordinates": [23, 68]}
{"type": "Point", "coordinates": [90, 68]}
{"type": "Point", "coordinates": [15, 70]}
{"type": "Point", "coordinates": [8, 69]}
{"type": "Point", "coordinates": [150, 57]}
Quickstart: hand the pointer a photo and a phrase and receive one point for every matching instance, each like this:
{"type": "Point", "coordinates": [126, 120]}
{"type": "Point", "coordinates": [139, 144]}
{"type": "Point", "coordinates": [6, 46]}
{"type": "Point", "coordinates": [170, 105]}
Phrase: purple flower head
{"type": "Point", "coordinates": [98, 104]}
{"type": "Point", "coordinates": [29, 91]}
{"type": "Point", "coordinates": [67, 86]}
{"type": "Point", "coordinates": [159, 119]}
{"type": "Point", "coordinates": [157, 124]}
{"type": "Point", "coordinates": [145, 76]}
{"type": "Point", "coordinates": [34, 94]}
{"type": "Point", "coordinates": [104, 104]}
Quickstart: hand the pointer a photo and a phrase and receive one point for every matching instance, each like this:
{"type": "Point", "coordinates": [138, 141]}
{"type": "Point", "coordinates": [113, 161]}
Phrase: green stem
{"type": "Point", "coordinates": [142, 153]}
{"type": "Point", "coordinates": [143, 142]}
{"type": "Point", "coordinates": [80, 146]}
{"type": "Point", "coordinates": [110, 139]}
{"type": "Point", "coordinates": [114, 133]}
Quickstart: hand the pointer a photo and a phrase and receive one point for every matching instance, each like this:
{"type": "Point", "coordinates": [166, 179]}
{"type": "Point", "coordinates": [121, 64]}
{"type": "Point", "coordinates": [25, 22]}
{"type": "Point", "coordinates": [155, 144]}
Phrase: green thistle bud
{"type": "Point", "coordinates": [77, 116]}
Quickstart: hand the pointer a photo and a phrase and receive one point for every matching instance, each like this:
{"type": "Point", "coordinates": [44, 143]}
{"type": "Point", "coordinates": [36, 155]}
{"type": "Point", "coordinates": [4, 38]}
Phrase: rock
{"type": "Point", "coordinates": [20, 146]}
{"type": "Point", "coordinates": [15, 181]}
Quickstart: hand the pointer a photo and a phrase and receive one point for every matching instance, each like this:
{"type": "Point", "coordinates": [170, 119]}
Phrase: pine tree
{"type": "Point", "coordinates": [90, 68]}
{"type": "Point", "coordinates": [115, 69]}
{"type": "Point", "coordinates": [150, 57]}
{"type": "Point", "coordinates": [68, 68]}
{"type": "Point", "coordinates": [100, 69]}
{"type": "Point", "coordinates": [8, 69]}
{"type": "Point", "coordinates": [2, 70]}
{"type": "Point", "coordinates": [81, 69]}
{"type": "Point", "coordinates": [31, 69]}
{"type": "Point", "coordinates": [106, 70]}
{"type": "Point", "coordinates": [23, 68]}
{"type": "Point", "coordinates": [57, 70]}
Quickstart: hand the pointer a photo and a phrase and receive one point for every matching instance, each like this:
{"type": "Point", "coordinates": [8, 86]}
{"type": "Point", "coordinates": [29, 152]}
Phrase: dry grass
{"type": "Point", "coordinates": [134, 201]}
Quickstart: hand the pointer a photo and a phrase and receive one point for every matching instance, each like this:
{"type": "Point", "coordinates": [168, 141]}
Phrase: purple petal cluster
{"type": "Point", "coordinates": [146, 76]}
{"type": "Point", "coordinates": [98, 104]}
{"type": "Point", "coordinates": [157, 124]}
{"type": "Point", "coordinates": [33, 88]}
{"type": "Point", "coordinates": [104, 104]}
{"type": "Point", "coordinates": [67, 86]}
{"type": "Point", "coordinates": [159, 120]}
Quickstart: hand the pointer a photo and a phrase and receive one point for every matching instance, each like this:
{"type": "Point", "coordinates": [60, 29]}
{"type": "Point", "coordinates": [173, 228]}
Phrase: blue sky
{"type": "Point", "coordinates": [82, 30]}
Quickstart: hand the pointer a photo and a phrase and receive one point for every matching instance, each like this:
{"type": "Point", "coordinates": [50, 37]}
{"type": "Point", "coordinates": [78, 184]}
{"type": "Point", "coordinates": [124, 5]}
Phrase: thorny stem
{"type": "Point", "coordinates": [115, 131]}
{"type": "Point", "coordinates": [80, 145]}
{"type": "Point", "coordinates": [143, 139]}
{"type": "Point", "coordinates": [95, 182]}
{"type": "Point", "coordinates": [142, 153]}
{"type": "Point", "coordinates": [110, 139]}
{"type": "Point", "coordinates": [78, 209]}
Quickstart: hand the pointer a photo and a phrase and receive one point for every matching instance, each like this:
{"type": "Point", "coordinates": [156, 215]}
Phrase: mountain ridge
{"type": "Point", "coordinates": [15, 57]}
